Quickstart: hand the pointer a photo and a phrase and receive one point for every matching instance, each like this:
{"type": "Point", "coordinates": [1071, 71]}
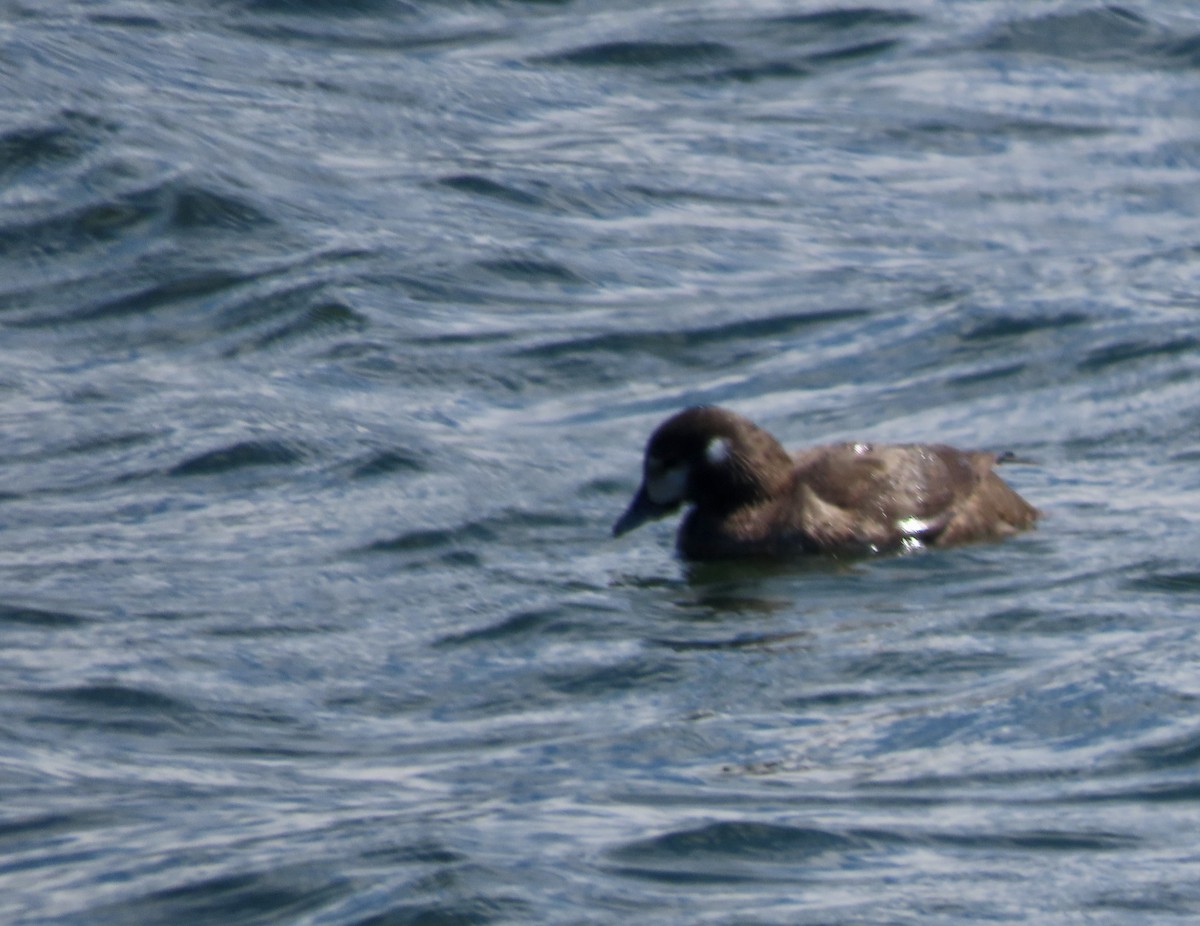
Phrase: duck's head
{"type": "Point", "coordinates": [706, 456]}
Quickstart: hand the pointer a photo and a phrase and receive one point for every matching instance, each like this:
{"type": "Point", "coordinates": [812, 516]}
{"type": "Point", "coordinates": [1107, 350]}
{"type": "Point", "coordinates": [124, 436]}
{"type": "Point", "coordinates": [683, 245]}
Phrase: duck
{"type": "Point", "coordinates": [749, 497]}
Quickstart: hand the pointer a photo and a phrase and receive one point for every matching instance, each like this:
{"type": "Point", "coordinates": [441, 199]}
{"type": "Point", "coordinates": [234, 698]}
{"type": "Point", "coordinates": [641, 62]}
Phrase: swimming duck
{"type": "Point", "coordinates": [750, 497]}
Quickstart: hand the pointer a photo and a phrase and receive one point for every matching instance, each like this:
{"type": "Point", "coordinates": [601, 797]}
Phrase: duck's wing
{"type": "Point", "coordinates": [877, 496]}
{"type": "Point", "coordinates": [992, 510]}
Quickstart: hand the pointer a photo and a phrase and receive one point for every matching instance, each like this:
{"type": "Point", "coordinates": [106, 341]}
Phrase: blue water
{"type": "Point", "coordinates": [331, 333]}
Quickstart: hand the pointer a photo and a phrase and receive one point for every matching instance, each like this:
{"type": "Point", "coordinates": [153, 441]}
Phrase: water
{"type": "Point", "coordinates": [330, 335]}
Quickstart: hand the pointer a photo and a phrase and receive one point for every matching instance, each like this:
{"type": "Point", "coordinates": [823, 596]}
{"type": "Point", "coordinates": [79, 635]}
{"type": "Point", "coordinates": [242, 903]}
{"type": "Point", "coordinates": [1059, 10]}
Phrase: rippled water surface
{"type": "Point", "coordinates": [331, 333]}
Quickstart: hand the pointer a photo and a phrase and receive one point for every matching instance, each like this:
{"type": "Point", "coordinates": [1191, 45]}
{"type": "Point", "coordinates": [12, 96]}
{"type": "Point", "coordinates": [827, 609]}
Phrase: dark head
{"type": "Point", "coordinates": [709, 457]}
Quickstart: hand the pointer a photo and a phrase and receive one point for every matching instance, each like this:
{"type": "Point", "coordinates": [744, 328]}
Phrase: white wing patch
{"type": "Point", "coordinates": [913, 525]}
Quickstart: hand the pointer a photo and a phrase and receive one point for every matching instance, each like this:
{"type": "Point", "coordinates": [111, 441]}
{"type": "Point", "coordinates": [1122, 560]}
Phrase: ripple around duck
{"type": "Point", "coordinates": [834, 21]}
{"type": "Point", "coordinates": [171, 307]}
{"type": "Point", "coordinates": [1106, 31]}
{"type": "Point", "coordinates": [482, 186]}
{"type": "Point", "coordinates": [531, 623]}
{"type": "Point", "coordinates": [434, 539]}
{"type": "Point", "coordinates": [243, 898]}
{"type": "Point", "coordinates": [181, 289]}
{"type": "Point", "coordinates": [39, 617]}
{"type": "Point", "coordinates": [476, 535]}
{"type": "Point", "coordinates": [294, 314]}
{"type": "Point", "coordinates": [1181, 751]}
{"type": "Point", "coordinates": [587, 682]}
{"type": "Point", "coordinates": [1120, 352]}
{"type": "Point", "coordinates": [64, 140]}
{"type": "Point", "coordinates": [758, 48]}
{"type": "Point", "coordinates": [238, 456]}
{"type": "Point", "coordinates": [643, 54]}
{"type": "Point", "coordinates": [115, 697]}
{"type": "Point", "coordinates": [670, 342]}
{"type": "Point", "coordinates": [1003, 326]}
{"type": "Point", "coordinates": [802, 65]}
{"type": "Point", "coordinates": [336, 9]}
{"type": "Point", "coordinates": [387, 462]}
{"type": "Point", "coordinates": [1170, 582]}
{"type": "Point", "coordinates": [738, 642]}
{"type": "Point", "coordinates": [733, 852]}
{"type": "Point", "coordinates": [196, 208]}
{"type": "Point", "coordinates": [971, 133]}
{"type": "Point", "coordinates": [118, 708]}
{"type": "Point", "coordinates": [81, 228]}
{"type": "Point", "coordinates": [173, 203]}
{"type": "Point", "coordinates": [16, 830]}
{"type": "Point", "coordinates": [530, 269]}
{"type": "Point", "coordinates": [926, 665]}
{"type": "Point", "coordinates": [1109, 34]}
{"type": "Point", "coordinates": [236, 313]}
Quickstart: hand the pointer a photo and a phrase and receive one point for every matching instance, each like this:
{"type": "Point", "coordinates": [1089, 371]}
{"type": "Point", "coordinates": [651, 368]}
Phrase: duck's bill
{"type": "Point", "coordinates": [640, 510]}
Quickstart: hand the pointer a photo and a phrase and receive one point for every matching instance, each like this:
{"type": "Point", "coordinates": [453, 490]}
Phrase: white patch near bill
{"type": "Point", "coordinates": [667, 487]}
{"type": "Point", "coordinates": [717, 451]}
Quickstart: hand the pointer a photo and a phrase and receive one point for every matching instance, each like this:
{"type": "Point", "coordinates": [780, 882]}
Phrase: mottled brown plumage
{"type": "Point", "coordinates": [750, 497]}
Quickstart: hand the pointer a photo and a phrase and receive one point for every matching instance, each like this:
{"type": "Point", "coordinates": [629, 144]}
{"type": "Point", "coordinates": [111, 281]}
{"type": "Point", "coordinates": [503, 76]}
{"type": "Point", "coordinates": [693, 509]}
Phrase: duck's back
{"type": "Point", "coordinates": [879, 496]}
{"type": "Point", "coordinates": [857, 498]}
